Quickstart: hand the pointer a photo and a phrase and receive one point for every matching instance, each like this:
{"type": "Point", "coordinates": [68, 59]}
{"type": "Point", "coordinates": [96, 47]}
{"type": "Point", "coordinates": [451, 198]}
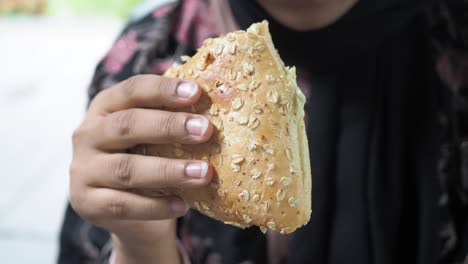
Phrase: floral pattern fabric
{"type": "Point", "coordinates": [152, 44]}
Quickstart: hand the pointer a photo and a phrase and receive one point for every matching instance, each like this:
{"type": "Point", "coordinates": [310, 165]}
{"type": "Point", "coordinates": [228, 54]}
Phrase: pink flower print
{"type": "Point", "coordinates": [121, 53]}
{"type": "Point", "coordinates": [453, 68]}
{"type": "Point", "coordinates": [199, 13]}
{"type": "Point", "coordinates": [159, 12]}
{"type": "Point", "coordinates": [160, 67]}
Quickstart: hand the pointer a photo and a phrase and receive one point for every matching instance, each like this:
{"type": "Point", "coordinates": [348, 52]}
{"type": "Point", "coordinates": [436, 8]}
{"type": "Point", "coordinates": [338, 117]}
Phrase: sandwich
{"type": "Point", "coordinates": [259, 149]}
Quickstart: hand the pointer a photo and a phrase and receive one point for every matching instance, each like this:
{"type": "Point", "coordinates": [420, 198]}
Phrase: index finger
{"type": "Point", "coordinates": [146, 91]}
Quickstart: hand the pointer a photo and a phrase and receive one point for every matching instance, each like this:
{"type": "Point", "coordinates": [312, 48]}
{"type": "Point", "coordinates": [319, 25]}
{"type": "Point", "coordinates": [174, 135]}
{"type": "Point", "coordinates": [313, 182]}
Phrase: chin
{"type": "Point", "coordinates": [295, 3]}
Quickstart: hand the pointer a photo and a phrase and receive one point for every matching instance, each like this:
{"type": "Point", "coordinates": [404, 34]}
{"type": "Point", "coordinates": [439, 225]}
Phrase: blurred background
{"type": "Point", "coordinates": [48, 51]}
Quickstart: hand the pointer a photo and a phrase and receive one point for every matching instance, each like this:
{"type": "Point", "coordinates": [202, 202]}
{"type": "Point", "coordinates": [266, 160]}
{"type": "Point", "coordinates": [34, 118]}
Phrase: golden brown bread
{"type": "Point", "coordinates": [259, 149]}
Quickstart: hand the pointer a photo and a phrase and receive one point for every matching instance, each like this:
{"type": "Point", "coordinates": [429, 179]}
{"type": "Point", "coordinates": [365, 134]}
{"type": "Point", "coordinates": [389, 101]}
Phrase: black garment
{"type": "Point", "coordinates": [372, 133]}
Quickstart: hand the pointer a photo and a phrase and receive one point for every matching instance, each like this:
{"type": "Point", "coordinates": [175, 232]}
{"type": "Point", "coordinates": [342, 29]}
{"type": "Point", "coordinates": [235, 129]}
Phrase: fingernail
{"type": "Point", "coordinates": [197, 126]}
{"type": "Point", "coordinates": [187, 89]}
{"type": "Point", "coordinates": [179, 206]}
{"type": "Point", "coordinates": [197, 170]}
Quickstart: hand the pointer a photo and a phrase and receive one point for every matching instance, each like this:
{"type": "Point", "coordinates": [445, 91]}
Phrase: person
{"type": "Point", "coordinates": [387, 90]}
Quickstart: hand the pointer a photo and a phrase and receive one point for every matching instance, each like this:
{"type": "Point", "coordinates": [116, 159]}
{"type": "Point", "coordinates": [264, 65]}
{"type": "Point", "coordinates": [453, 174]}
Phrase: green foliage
{"type": "Point", "coordinates": [108, 7]}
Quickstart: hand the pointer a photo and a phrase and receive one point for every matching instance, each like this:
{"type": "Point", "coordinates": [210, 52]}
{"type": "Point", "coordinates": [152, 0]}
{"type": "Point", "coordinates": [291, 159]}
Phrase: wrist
{"type": "Point", "coordinates": [162, 251]}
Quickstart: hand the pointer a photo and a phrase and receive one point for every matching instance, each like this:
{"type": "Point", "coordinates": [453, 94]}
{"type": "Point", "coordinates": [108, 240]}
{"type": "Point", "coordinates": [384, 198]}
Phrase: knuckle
{"type": "Point", "coordinates": [77, 202]}
{"type": "Point", "coordinates": [84, 132]}
{"type": "Point", "coordinates": [165, 170]}
{"type": "Point", "coordinates": [124, 169]}
{"type": "Point", "coordinates": [77, 136]}
{"type": "Point", "coordinates": [74, 200]}
{"type": "Point", "coordinates": [158, 87]}
{"type": "Point", "coordinates": [117, 207]}
{"type": "Point", "coordinates": [74, 169]}
{"type": "Point", "coordinates": [124, 122]}
{"type": "Point", "coordinates": [168, 125]}
{"type": "Point", "coordinates": [78, 198]}
{"type": "Point", "coordinates": [99, 97]}
{"type": "Point", "coordinates": [130, 86]}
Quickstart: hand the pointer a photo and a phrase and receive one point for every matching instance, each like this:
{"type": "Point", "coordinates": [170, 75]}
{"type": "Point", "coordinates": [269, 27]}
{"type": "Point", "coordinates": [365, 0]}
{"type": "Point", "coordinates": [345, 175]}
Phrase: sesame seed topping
{"type": "Point", "coordinates": [292, 168]}
{"type": "Point", "coordinates": [242, 120]}
{"type": "Point", "coordinates": [244, 194]}
{"type": "Point", "coordinates": [270, 167]}
{"type": "Point", "coordinates": [253, 29]}
{"type": "Point", "coordinates": [247, 218]}
{"type": "Point", "coordinates": [237, 182]}
{"type": "Point", "coordinates": [286, 130]}
{"type": "Point", "coordinates": [288, 154]}
{"type": "Point", "coordinates": [269, 149]}
{"type": "Point", "coordinates": [235, 167]}
{"type": "Point", "coordinates": [257, 109]}
{"type": "Point", "coordinates": [285, 181]}
{"type": "Point", "coordinates": [272, 97]}
{"type": "Point", "coordinates": [271, 225]}
{"type": "Point", "coordinates": [269, 181]}
{"type": "Point", "coordinates": [221, 193]}
{"type": "Point", "coordinates": [205, 206]}
{"type": "Point", "coordinates": [242, 87]}
{"type": "Point", "coordinates": [232, 75]}
{"type": "Point", "coordinates": [249, 68]}
{"type": "Point", "coordinates": [270, 78]}
{"type": "Point", "coordinates": [230, 37]}
{"type": "Point", "coordinates": [185, 58]}
{"type": "Point", "coordinates": [256, 198]}
{"type": "Point", "coordinates": [201, 65]}
{"type": "Point", "coordinates": [237, 158]}
{"type": "Point", "coordinates": [214, 110]}
{"type": "Point", "coordinates": [232, 49]}
{"type": "Point", "coordinates": [252, 146]}
{"type": "Point", "coordinates": [254, 85]}
{"type": "Point", "coordinates": [272, 122]}
{"type": "Point", "coordinates": [255, 174]}
{"type": "Point", "coordinates": [219, 49]}
{"type": "Point", "coordinates": [258, 46]}
{"type": "Point", "coordinates": [293, 201]}
{"type": "Point", "coordinates": [253, 123]}
{"type": "Point", "coordinates": [237, 104]}
{"type": "Point", "coordinates": [280, 195]}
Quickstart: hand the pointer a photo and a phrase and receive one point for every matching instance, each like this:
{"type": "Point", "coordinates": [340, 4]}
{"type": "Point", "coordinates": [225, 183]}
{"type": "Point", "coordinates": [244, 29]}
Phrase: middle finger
{"type": "Point", "coordinates": [128, 128]}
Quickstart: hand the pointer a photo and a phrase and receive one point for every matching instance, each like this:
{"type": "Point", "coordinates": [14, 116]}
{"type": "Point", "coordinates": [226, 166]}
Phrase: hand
{"type": "Point", "coordinates": [105, 179]}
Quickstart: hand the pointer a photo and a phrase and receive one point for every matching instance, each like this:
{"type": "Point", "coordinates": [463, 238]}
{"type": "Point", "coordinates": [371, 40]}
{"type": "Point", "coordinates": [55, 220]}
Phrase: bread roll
{"type": "Point", "coordinates": [259, 149]}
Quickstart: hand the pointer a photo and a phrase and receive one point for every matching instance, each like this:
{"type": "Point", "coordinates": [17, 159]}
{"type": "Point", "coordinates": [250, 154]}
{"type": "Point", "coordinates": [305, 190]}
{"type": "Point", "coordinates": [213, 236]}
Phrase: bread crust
{"type": "Point", "coordinates": [259, 149]}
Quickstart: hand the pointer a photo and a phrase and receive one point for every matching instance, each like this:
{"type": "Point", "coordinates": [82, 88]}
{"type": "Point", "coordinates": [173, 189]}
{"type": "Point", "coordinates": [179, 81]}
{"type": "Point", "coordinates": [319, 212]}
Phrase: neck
{"type": "Point", "coordinates": [302, 15]}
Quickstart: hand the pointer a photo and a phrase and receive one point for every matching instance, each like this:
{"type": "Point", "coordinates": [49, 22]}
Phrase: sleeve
{"type": "Point", "coordinates": [449, 25]}
{"type": "Point", "coordinates": [184, 257]}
